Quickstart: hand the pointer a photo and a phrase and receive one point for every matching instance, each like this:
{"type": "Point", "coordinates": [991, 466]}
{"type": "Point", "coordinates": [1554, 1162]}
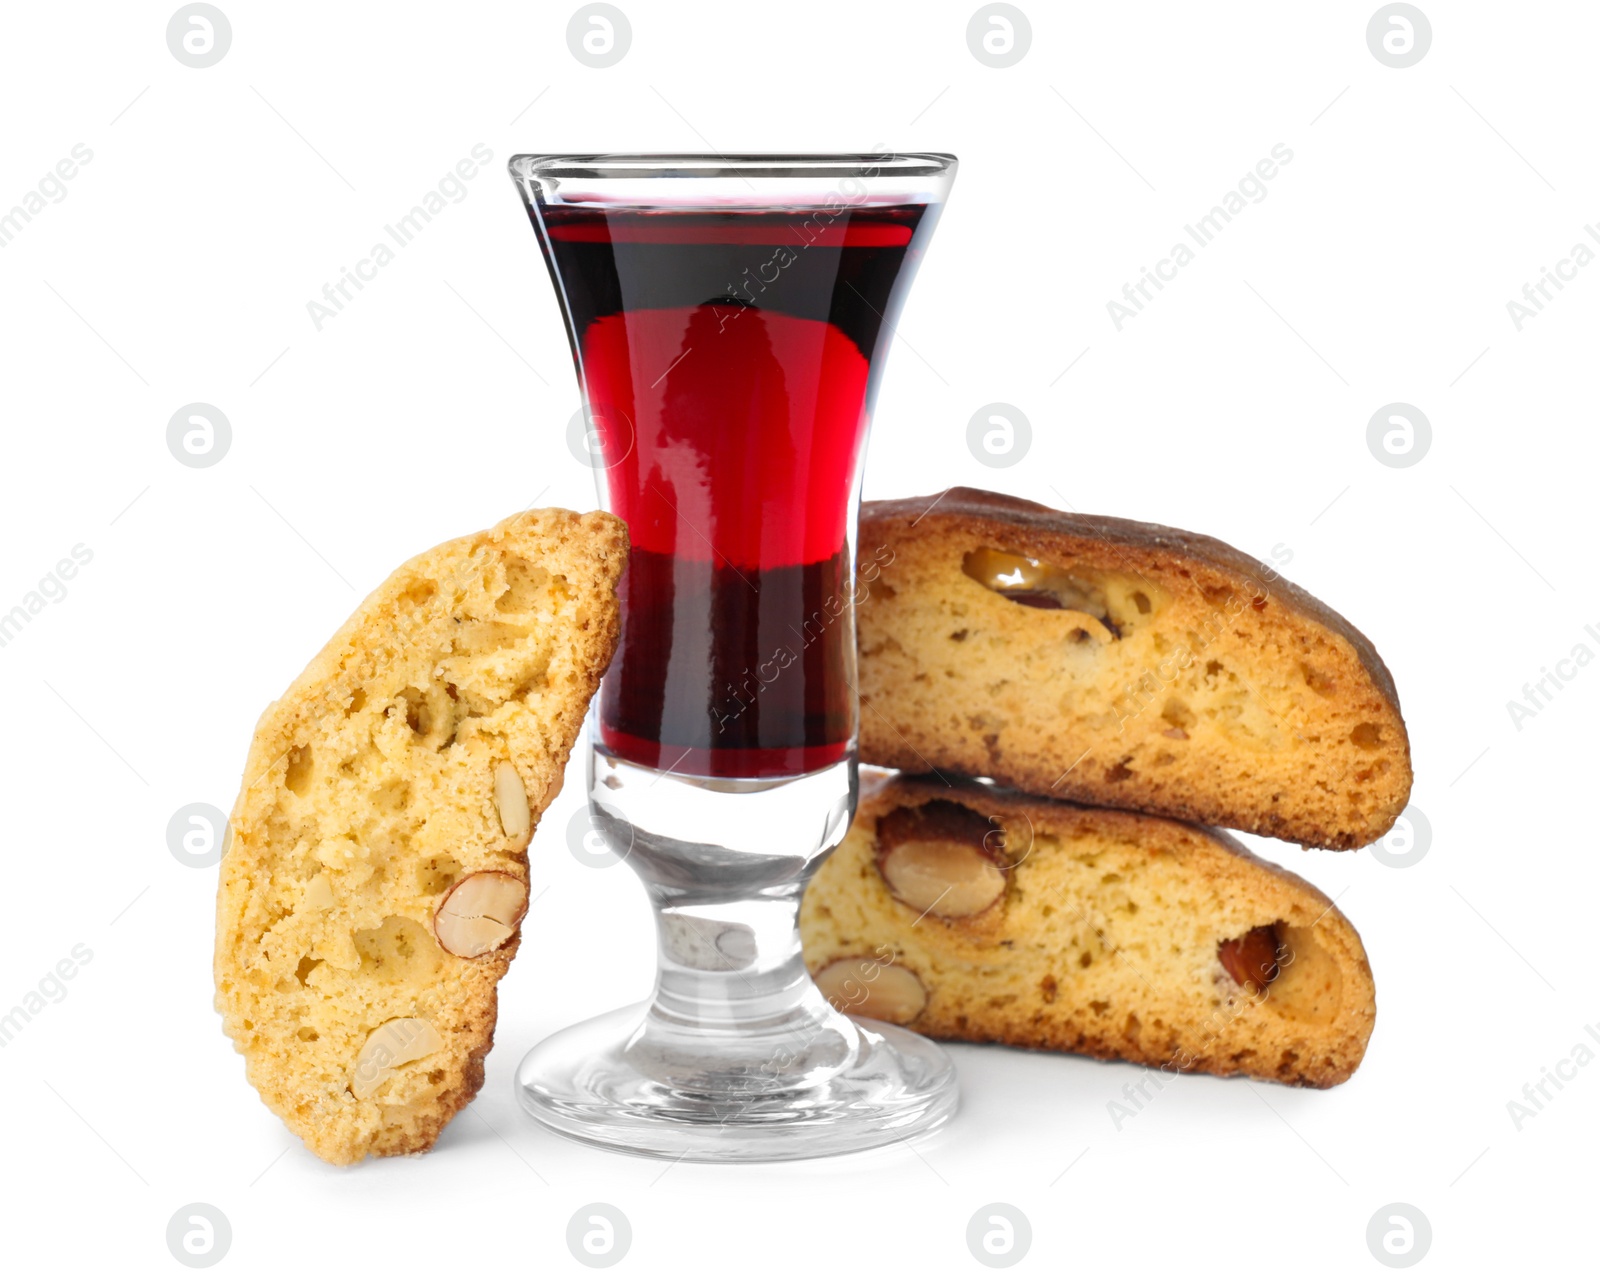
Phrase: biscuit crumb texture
{"type": "Point", "coordinates": [1105, 944]}
{"type": "Point", "coordinates": [1177, 676]}
{"type": "Point", "coordinates": [376, 783]}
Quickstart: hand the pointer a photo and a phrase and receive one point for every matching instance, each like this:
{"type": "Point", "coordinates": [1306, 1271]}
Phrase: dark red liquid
{"type": "Point", "coordinates": [728, 360]}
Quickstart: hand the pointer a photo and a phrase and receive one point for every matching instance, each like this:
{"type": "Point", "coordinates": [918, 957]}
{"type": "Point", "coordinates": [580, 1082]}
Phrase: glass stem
{"type": "Point", "coordinates": [733, 1001]}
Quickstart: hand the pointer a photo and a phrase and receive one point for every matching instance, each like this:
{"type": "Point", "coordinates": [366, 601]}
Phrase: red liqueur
{"type": "Point", "coordinates": [730, 364]}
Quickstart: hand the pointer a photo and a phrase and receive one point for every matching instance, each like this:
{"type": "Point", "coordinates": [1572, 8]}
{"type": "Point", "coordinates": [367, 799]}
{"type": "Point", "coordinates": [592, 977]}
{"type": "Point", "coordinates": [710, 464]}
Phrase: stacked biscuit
{"type": "Point", "coordinates": [1147, 675]}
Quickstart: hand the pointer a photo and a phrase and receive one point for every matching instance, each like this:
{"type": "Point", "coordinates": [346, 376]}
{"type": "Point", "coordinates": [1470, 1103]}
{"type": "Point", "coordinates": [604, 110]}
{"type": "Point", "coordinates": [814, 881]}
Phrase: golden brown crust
{"type": "Point", "coordinates": [371, 789]}
{"type": "Point", "coordinates": [1106, 943]}
{"type": "Point", "coordinates": [1045, 525]}
{"type": "Point", "coordinates": [1229, 696]}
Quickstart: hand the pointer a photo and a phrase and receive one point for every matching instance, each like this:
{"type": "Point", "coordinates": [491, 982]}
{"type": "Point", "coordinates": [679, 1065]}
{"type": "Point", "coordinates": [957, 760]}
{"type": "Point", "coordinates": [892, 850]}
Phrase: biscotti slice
{"type": "Point", "coordinates": [370, 898]}
{"type": "Point", "coordinates": [972, 914]}
{"type": "Point", "coordinates": [1121, 664]}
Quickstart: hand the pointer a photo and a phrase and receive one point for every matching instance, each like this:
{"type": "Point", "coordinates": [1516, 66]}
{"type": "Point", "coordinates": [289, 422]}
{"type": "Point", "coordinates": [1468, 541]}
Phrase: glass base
{"type": "Point", "coordinates": [887, 1085]}
{"type": "Point", "coordinates": [737, 1056]}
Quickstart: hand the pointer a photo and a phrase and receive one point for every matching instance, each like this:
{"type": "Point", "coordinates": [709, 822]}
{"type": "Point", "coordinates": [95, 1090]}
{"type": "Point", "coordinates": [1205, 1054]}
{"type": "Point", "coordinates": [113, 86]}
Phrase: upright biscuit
{"type": "Point", "coordinates": [371, 896]}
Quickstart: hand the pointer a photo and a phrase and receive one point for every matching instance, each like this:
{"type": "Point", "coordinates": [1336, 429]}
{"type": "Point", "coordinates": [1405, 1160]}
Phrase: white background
{"type": "Point", "coordinates": [217, 204]}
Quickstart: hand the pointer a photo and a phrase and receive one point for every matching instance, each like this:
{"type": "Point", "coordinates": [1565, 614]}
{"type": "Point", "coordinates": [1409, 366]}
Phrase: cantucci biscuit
{"type": "Point", "coordinates": [976, 915]}
{"type": "Point", "coordinates": [1121, 664]}
{"type": "Point", "coordinates": [377, 874]}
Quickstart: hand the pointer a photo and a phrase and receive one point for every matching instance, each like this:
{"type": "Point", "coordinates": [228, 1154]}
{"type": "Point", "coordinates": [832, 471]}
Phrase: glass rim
{"type": "Point", "coordinates": [796, 166]}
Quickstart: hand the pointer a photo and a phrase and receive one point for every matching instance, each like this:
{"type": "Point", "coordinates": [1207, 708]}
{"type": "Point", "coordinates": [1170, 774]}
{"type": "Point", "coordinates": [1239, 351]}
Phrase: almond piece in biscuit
{"type": "Point", "coordinates": [938, 859]}
{"type": "Point", "coordinates": [877, 990]}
